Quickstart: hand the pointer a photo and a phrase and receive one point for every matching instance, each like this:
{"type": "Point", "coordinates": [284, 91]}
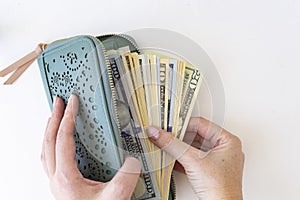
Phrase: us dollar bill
{"type": "Point", "coordinates": [130, 80]}
{"type": "Point", "coordinates": [131, 130]}
{"type": "Point", "coordinates": [140, 89]}
{"type": "Point", "coordinates": [172, 92]}
{"type": "Point", "coordinates": [193, 79]}
{"type": "Point", "coordinates": [146, 78]}
{"type": "Point", "coordinates": [155, 107]}
{"type": "Point", "coordinates": [178, 95]}
{"type": "Point", "coordinates": [192, 82]}
{"type": "Point", "coordinates": [164, 103]}
{"type": "Point", "coordinates": [164, 92]}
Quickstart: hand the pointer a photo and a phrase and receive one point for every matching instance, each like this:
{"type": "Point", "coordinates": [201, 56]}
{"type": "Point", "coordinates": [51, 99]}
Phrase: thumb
{"type": "Point", "coordinates": [181, 151]}
{"type": "Point", "coordinates": [125, 180]}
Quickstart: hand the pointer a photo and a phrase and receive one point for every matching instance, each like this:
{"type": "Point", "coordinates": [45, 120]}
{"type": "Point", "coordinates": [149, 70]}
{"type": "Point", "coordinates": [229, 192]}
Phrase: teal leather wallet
{"type": "Point", "coordinates": [80, 65]}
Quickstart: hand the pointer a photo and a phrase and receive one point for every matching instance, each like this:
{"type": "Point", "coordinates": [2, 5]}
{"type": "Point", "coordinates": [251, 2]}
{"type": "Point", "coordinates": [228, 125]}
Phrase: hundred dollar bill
{"type": "Point", "coordinates": [155, 108]}
{"type": "Point", "coordinates": [145, 75]}
{"type": "Point", "coordinates": [131, 80]}
{"type": "Point", "coordinates": [154, 70]}
{"type": "Point", "coordinates": [131, 131]}
{"type": "Point", "coordinates": [142, 104]}
{"type": "Point", "coordinates": [164, 103]}
{"type": "Point", "coordinates": [127, 81]}
{"type": "Point", "coordinates": [146, 78]}
{"type": "Point", "coordinates": [164, 92]}
{"type": "Point", "coordinates": [139, 87]}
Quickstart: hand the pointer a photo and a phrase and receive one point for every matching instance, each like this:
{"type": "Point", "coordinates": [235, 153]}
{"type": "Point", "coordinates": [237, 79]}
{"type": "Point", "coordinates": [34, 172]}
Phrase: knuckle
{"type": "Point", "coordinates": [193, 154]}
{"type": "Point", "coordinates": [56, 114]}
{"type": "Point", "coordinates": [69, 118]}
{"type": "Point", "coordinates": [190, 156]}
{"type": "Point", "coordinates": [49, 138]}
{"type": "Point", "coordinates": [165, 139]}
{"type": "Point", "coordinates": [237, 141]}
{"type": "Point", "coordinates": [60, 135]}
{"type": "Point", "coordinates": [69, 113]}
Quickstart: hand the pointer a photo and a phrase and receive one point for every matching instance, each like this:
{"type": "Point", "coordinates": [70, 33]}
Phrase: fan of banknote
{"type": "Point", "coordinates": [160, 91]}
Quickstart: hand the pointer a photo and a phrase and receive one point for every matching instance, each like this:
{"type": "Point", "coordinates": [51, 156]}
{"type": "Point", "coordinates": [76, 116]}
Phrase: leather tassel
{"type": "Point", "coordinates": [21, 65]}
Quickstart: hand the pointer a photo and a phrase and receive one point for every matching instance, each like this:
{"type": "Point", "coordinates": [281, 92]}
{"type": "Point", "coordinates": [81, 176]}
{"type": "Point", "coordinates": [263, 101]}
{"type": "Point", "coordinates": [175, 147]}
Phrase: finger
{"type": "Point", "coordinates": [202, 145]}
{"type": "Point", "coordinates": [197, 141]}
{"type": "Point", "coordinates": [51, 134]}
{"type": "Point", "coordinates": [125, 180]}
{"type": "Point", "coordinates": [206, 129]}
{"type": "Point", "coordinates": [178, 167]}
{"type": "Point", "coordinates": [65, 145]}
{"type": "Point", "coordinates": [190, 137]}
{"type": "Point", "coordinates": [43, 152]}
{"type": "Point", "coordinates": [176, 148]}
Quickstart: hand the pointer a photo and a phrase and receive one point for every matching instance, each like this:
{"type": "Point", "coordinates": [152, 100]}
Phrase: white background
{"type": "Point", "coordinates": [254, 45]}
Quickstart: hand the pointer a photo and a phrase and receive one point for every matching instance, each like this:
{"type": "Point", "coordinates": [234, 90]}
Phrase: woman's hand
{"type": "Point", "coordinates": [215, 168]}
{"type": "Point", "coordinates": [58, 158]}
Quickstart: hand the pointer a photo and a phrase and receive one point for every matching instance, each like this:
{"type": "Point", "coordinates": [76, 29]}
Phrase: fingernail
{"type": "Point", "coordinates": [54, 100]}
{"type": "Point", "coordinates": [73, 99]}
{"type": "Point", "coordinates": [133, 165]}
{"type": "Point", "coordinates": [152, 132]}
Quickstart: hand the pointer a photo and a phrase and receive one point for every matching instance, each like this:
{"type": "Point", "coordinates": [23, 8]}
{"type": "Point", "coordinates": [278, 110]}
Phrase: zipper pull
{"type": "Point", "coordinates": [21, 65]}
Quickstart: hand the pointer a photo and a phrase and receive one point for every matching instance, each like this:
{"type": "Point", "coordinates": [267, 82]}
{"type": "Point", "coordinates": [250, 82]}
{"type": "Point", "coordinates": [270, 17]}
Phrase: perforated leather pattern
{"type": "Point", "coordinates": [75, 67]}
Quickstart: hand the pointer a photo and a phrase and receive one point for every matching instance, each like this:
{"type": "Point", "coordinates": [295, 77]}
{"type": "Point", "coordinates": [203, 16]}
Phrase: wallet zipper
{"type": "Point", "coordinates": [174, 187]}
{"type": "Point", "coordinates": [125, 37]}
{"type": "Point", "coordinates": [112, 87]}
{"type": "Point", "coordinates": [130, 40]}
{"type": "Point", "coordinates": [109, 70]}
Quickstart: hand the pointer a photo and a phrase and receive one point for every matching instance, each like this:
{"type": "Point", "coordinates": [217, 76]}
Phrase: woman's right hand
{"type": "Point", "coordinates": [215, 168]}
